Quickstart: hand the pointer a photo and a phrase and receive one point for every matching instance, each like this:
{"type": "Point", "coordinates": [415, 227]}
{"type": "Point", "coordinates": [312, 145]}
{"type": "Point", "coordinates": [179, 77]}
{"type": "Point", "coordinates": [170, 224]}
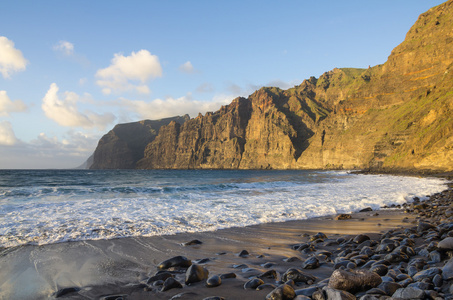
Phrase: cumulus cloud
{"type": "Point", "coordinates": [64, 47]}
{"type": "Point", "coordinates": [7, 136]}
{"type": "Point", "coordinates": [11, 59]}
{"type": "Point", "coordinates": [7, 106]}
{"type": "Point", "coordinates": [129, 73]}
{"type": "Point", "coordinates": [65, 112]}
{"type": "Point", "coordinates": [169, 107]}
{"type": "Point", "coordinates": [187, 67]}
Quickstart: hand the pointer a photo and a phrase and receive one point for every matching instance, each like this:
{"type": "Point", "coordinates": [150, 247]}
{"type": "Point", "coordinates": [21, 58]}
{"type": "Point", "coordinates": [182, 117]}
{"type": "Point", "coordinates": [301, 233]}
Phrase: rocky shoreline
{"type": "Point", "coordinates": [407, 262]}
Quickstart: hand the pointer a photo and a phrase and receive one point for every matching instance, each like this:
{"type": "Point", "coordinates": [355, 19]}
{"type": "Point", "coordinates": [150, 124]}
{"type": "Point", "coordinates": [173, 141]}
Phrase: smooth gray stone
{"type": "Point", "coordinates": [428, 273]}
{"type": "Point", "coordinates": [447, 270]}
{"type": "Point", "coordinates": [409, 293]}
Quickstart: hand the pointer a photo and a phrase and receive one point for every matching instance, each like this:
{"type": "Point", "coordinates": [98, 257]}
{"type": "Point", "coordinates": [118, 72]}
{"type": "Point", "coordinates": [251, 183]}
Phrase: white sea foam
{"type": "Point", "coordinates": [168, 203]}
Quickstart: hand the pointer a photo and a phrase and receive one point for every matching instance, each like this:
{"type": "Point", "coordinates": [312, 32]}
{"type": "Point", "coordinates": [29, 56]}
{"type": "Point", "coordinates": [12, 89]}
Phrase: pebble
{"type": "Point", "coordinates": [171, 283]}
{"type": "Point", "coordinates": [177, 261]}
{"type": "Point", "coordinates": [253, 283]}
{"type": "Point", "coordinates": [213, 281]}
{"type": "Point", "coordinates": [196, 273]}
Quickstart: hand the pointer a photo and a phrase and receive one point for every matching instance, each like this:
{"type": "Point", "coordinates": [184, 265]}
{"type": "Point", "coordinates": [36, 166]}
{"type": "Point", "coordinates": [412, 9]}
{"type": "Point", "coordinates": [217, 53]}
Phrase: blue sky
{"type": "Point", "coordinates": [71, 70]}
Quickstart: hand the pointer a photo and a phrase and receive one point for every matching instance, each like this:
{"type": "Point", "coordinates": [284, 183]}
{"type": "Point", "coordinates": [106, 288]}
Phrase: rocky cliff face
{"type": "Point", "coordinates": [398, 115]}
{"type": "Point", "coordinates": [124, 145]}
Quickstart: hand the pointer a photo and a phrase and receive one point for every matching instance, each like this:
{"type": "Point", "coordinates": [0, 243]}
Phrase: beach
{"type": "Point", "coordinates": [122, 268]}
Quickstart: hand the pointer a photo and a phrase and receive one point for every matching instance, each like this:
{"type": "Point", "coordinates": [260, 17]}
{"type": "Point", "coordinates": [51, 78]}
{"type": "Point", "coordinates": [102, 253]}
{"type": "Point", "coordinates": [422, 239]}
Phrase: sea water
{"type": "Point", "coordinates": [50, 206]}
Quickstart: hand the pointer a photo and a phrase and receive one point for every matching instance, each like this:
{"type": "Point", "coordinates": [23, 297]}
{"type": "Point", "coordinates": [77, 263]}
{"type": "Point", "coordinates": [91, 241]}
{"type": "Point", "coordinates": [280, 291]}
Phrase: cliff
{"type": "Point", "coordinates": [394, 116]}
{"type": "Point", "coordinates": [124, 145]}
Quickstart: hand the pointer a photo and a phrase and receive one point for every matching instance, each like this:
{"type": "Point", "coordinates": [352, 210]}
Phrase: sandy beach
{"type": "Point", "coordinates": [121, 267]}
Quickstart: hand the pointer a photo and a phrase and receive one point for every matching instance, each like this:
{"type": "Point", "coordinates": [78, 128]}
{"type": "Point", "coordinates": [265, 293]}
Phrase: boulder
{"type": "Point", "coordinates": [354, 280]}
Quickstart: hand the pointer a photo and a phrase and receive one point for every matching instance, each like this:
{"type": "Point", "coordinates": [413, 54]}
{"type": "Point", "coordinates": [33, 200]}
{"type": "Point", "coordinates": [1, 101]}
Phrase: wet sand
{"type": "Point", "coordinates": [121, 266]}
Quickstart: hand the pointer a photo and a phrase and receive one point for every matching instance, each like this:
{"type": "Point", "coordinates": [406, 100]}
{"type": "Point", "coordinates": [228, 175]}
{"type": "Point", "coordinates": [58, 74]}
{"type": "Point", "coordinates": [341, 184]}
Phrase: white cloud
{"type": "Point", "coordinates": [45, 151]}
{"type": "Point", "coordinates": [7, 106]}
{"type": "Point", "coordinates": [7, 136]}
{"type": "Point", "coordinates": [169, 107]}
{"type": "Point", "coordinates": [11, 59]}
{"type": "Point", "coordinates": [187, 67]}
{"type": "Point", "coordinates": [65, 112]}
{"type": "Point", "coordinates": [65, 47]}
{"type": "Point", "coordinates": [128, 73]}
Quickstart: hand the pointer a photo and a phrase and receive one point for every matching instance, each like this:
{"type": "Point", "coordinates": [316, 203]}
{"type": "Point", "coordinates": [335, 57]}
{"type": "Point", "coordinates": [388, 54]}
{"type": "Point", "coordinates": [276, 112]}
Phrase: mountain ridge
{"type": "Point", "coordinates": [393, 116]}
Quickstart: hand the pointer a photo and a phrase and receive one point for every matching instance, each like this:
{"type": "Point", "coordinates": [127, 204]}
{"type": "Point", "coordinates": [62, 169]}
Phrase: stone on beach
{"type": "Point", "coordinates": [213, 281]}
{"type": "Point", "coordinates": [196, 273]}
{"type": "Point", "coordinates": [343, 217]}
{"type": "Point", "coordinates": [282, 292]}
{"type": "Point", "coordinates": [297, 276]}
{"type": "Point", "coordinates": [171, 283]}
{"type": "Point", "coordinates": [354, 280]}
{"type": "Point", "coordinates": [177, 261]}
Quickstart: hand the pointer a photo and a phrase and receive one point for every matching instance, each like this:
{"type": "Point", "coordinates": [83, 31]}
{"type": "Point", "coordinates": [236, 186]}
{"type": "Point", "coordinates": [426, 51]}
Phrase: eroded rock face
{"type": "Point", "coordinates": [391, 116]}
{"type": "Point", "coordinates": [124, 145]}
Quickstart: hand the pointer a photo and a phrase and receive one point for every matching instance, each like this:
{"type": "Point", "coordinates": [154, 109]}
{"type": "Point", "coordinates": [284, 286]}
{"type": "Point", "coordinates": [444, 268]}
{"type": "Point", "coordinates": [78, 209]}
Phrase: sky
{"type": "Point", "coordinates": [70, 70]}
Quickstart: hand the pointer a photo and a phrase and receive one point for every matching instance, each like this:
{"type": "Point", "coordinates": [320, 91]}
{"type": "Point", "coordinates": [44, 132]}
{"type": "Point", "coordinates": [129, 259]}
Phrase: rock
{"type": "Point", "coordinates": [361, 238]}
{"type": "Point", "coordinates": [317, 236]}
{"type": "Point", "coordinates": [311, 263]}
{"type": "Point", "coordinates": [269, 286]}
{"type": "Point", "coordinates": [381, 269]}
{"type": "Point", "coordinates": [422, 285]}
{"type": "Point", "coordinates": [343, 217]}
{"type": "Point", "coordinates": [159, 276]}
{"type": "Point", "coordinates": [193, 242]}
{"type": "Point", "coordinates": [447, 270]}
{"type": "Point", "coordinates": [177, 261]}
{"type": "Point", "coordinates": [424, 226]}
{"type": "Point", "coordinates": [389, 288]}
{"type": "Point", "coordinates": [171, 283]}
{"type": "Point", "coordinates": [214, 298]}
{"type": "Point", "coordinates": [213, 281]}
{"type": "Point", "coordinates": [366, 209]}
{"type": "Point", "coordinates": [114, 297]}
{"type": "Point", "coordinates": [196, 273]}
{"type": "Point", "coordinates": [437, 280]}
{"type": "Point", "coordinates": [282, 292]}
{"type": "Point", "coordinates": [354, 280]}
{"type": "Point", "coordinates": [334, 294]}
{"type": "Point", "coordinates": [243, 253]}
{"type": "Point", "coordinates": [306, 292]}
{"type": "Point", "coordinates": [446, 244]}
{"type": "Point", "coordinates": [409, 293]}
{"type": "Point", "coordinates": [291, 259]}
{"type": "Point", "coordinates": [297, 276]}
{"type": "Point", "coordinates": [201, 261]}
{"type": "Point", "coordinates": [253, 283]}
{"type": "Point", "coordinates": [435, 256]}
{"type": "Point", "coordinates": [428, 273]}
{"type": "Point", "coordinates": [64, 291]}
{"type": "Point", "coordinates": [272, 274]}
{"type": "Point", "coordinates": [228, 275]}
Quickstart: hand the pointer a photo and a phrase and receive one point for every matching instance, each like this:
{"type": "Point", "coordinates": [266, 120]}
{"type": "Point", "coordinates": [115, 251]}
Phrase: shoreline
{"type": "Point", "coordinates": [123, 266]}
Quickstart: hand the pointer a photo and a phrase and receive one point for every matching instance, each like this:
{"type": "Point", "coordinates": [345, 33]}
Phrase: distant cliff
{"type": "Point", "coordinates": [398, 115]}
{"type": "Point", "coordinates": [124, 145]}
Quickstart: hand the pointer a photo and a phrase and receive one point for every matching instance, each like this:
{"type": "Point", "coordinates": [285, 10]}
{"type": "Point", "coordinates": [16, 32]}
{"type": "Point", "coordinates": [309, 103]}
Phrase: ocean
{"type": "Point", "coordinates": [51, 206]}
